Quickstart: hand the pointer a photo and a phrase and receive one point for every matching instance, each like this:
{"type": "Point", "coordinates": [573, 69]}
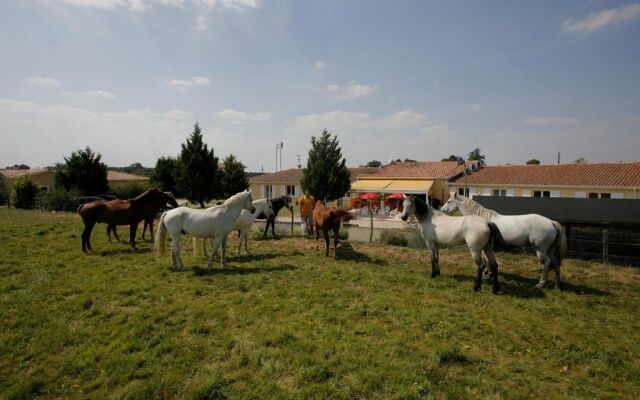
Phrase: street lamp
{"type": "Point", "coordinates": [279, 146]}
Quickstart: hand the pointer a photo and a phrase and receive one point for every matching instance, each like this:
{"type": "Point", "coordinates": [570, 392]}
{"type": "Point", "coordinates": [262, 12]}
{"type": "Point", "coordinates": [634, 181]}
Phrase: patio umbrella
{"type": "Point", "coordinates": [369, 196]}
{"type": "Point", "coordinates": [396, 196]}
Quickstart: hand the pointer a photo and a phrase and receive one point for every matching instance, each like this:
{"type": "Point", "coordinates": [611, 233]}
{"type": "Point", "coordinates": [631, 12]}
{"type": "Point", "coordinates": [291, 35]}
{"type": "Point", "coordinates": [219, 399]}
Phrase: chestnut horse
{"type": "Point", "coordinates": [122, 212]}
{"type": "Point", "coordinates": [148, 220]}
{"type": "Point", "coordinates": [326, 218]}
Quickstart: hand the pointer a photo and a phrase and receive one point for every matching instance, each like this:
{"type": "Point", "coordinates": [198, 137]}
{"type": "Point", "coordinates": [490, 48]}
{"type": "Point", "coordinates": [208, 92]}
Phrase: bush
{"type": "Point", "coordinates": [4, 194]}
{"type": "Point", "coordinates": [23, 194]}
{"type": "Point", "coordinates": [128, 190]}
{"type": "Point", "coordinates": [393, 237]}
{"type": "Point", "coordinates": [58, 199]}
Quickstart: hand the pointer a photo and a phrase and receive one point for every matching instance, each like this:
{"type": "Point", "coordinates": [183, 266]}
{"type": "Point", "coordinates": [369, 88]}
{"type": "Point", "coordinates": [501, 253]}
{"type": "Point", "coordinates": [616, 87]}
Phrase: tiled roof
{"type": "Point", "coordinates": [420, 169]}
{"type": "Point", "coordinates": [294, 175]}
{"type": "Point", "coordinates": [619, 174]}
{"type": "Point", "coordinates": [117, 176]}
{"type": "Point", "coordinates": [15, 173]}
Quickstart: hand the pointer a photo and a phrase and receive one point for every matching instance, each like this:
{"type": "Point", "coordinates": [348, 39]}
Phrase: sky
{"type": "Point", "coordinates": [391, 79]}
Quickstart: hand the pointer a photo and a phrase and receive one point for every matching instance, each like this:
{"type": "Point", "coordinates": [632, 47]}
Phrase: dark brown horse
{"type": "Point", "coordinates": [326, 218]}
{"type": "Point", "coordinates": [148, 219]}
{"type": "Point", "coordinates": [122, 212]}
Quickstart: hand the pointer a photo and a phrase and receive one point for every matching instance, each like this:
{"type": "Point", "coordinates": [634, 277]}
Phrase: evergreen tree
{"type": "Point", "coordinates": [234, 178]}
{"type": "Point", "coordinates": [326, 175]}
{"type": "Point", "coordinates": [373, 163]}
{"type": "Point", "coordinates": [24, 193]}
{"type": "Point", "coordinates": [198, 179]}
{"type": "Point", "coordinates": [533, 161]}
{"type": "Point", "coordinates": [453, 157]}
{"type": "Point", "coordinates": [165, 174]}
{"type": "Point", "coordinates": [83, 171]}
{"type": "Point", "coordinates": [475, 155]}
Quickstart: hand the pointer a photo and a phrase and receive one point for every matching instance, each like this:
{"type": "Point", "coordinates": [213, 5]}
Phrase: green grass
{"type": "Point", "coordinates": [286, 322]}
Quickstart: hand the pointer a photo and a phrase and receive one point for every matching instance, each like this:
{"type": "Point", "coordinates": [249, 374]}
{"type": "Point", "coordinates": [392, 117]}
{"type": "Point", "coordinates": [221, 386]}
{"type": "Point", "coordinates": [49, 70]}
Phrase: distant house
{"type": "Point", "coordinates": [427, 178]}
{"type": "Point", "coordinates": [121, 178]}
{"type": "Point", "coordinates": [615, 180]}
{"type": "Point", "coordinates": [43, 177]}
{"type": "Point", "coordinates": [287, 182]}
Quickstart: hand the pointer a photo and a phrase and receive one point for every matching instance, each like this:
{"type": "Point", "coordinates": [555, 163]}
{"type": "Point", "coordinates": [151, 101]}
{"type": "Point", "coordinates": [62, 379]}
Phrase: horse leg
{"type": "Point", "coordinates": [435, 260]}
{"type": "Point", "coordinates": [335, 242]}
{"type": "Point", "coordinates": [246, 241]}
{"type": "Point", "coordinates": [150, 223]}
{"type": "Point", "coordinates": [266, 228]}
{"type": "Point", "coordinates": [325, 233]}
{"type": "Point", "coordinates": [545, 263]}
{"type": "Point", "coordinates": [240, 240]}
{"type": "Point", "coordinates": [176, 261]}
{"type": "Point", "coordinates": [493, 268]}
{"type": "Point", "coordinates": [558, 281]}
{"type": "Point", "coordinates": [273, 227]}
{"type": "Point", "coordinates": [109, 229]}
{"type": "Point", "coordinates": [477, 260]}
{"type": "Point", "coordinates": [217, 241]}
{"type": "Point", "coordinates": [86, 235]}
{"type": "Point", "coordinates": [317, 237]}
{"type": "Point", "coordinates": [132, 236]}
{"type": "Point", "coordinates": [223, 253]}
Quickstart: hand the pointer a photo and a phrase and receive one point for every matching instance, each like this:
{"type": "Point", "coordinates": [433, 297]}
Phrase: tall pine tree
{"type": "Point", "coordinates": [326, 175]}
{"type": "Point", "coordinates": [198, 176]}
{"type": "Point", "coordinates": [83, 171]}
{"type": "Point", "coordinates": [234, 177]}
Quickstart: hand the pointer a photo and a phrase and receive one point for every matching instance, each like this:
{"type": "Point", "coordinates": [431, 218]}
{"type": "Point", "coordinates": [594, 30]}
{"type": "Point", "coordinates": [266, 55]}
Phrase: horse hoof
{"type": "Point", "coordinates": [495, 289]}
{"type": "Point", "coordinates": [476, 288]}
{"type": "Point", "coordinates": [540, 285]}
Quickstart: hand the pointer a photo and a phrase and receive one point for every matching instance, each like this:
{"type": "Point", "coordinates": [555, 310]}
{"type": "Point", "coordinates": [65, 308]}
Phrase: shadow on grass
{"type": "Point", "coordinates": [347, 252]}
{"type": "Point", "coordinates": [519, 286]}
{"type": "Point", "coordinates": [203, 271]}
{"type": "Point", "coordinates": [127, 250]}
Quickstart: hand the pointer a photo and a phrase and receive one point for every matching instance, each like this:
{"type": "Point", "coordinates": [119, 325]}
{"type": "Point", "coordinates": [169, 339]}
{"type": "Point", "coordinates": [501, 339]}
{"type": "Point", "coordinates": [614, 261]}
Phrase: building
{"type": "Point", "coordinates": [427, 178]}
{"type": "Point", "coordinates": [615, 180]}
{"type": "Point", "coordinates": [287, 182]}
{"type": "Point", "coordinates": [45, 177]}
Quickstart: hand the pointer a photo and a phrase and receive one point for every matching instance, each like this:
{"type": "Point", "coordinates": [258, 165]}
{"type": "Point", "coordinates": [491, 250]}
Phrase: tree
{"type": "Point", "coordinates": [373, 163]}
{"type": "Point", "coordinates": [83, 171]}
{"type": "Point", "coordinates": [453, 157]}
{"type": "Point", "coordinates": [533, 161]}
{"type": "Point", "coordinates": [234, 178]}
{"type": "Point", "coordinates": [19, 166]}
{"type": "Point", "coordinates": [165, 174]}
{"type": "Point", "coordinates": [326, 175]}
{"type": "Point", "coordinates": [475, 155]}
{"type": "Point", "coordinates": [198, 179]}
{"type": "Point", "coordinates": [580, 160]}
{"type": "Point", "coordinates": [24, 193]}
{"type": "Point", "coordinates": [4, 193]}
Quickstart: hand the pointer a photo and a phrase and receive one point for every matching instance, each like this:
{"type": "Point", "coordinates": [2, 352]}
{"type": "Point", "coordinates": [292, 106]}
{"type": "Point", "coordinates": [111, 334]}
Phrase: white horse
{"type": "Point", "coordinates": [439, 228]}
{"type": "Point", "coordinates": [201, 223]}
{"type": "Point", "coordinates": [243, 224]}
{"type": "Point", "coordinates": [547, 237]}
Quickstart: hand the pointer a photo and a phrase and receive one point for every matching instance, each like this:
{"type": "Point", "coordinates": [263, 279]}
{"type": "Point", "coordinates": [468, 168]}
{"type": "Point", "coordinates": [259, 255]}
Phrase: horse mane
{"type": "Point", "coordinates": [235, 199]}
{"type": "Point", "coordinates": [475, 208]}
{"type": "Point", "coordinates": [144, 195]}
{"type": "Point", "coordinates": [422, 208]}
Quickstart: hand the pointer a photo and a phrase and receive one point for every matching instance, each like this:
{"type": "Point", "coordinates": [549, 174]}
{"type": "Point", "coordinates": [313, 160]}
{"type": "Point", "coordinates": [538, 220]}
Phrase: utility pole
{"type": "Point", "coordinates": [558, 158]}
{"type": "Point", "coordinates": [299, 163]}
{"type": "Point", "coordinates": [279, 147]}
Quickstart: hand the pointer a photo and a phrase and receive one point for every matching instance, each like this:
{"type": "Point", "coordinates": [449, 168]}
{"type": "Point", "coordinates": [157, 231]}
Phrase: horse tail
{"type": "Point", "coordinates": [161, 236]}
{"type": "Point", "coordinates": [559, 244]}
{"type": "Point", "coordinates": [496, 241]}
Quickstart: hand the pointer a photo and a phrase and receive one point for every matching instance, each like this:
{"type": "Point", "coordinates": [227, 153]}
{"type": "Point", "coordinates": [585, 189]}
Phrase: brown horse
{"type": "Point", "coordinates": [122, 212]}
{"type": "Point", "coordinates": [148, 220]}
{"type": "Point", "coordinates": [326, 218]}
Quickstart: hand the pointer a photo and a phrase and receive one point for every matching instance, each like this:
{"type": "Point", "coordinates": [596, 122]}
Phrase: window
{"type": "Point", "coordinates": [268, 191]}
{"type": "Point", "coordinates": [291, 190]}
{"type": "Point", "coordinates": [463, 192]}
{"type": "Point", "coordinates": [541, 193]}
{"type": "Point", "coordinates": [593, 195]}
{"type": "Point", "coordinates": [526, 193]}
{"type": "Point", "coordinates": [500, 192]}
{"type": "Point", "coordinates": [605, 195]}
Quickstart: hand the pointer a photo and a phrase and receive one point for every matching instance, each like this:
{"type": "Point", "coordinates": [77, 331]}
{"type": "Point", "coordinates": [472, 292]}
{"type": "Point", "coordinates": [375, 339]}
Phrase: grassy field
{"type": "Point", "coordinates": [286, 322]}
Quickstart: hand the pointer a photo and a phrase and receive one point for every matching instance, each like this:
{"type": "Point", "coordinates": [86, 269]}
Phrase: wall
{"type": "Point", "coordinates": [527, 191]}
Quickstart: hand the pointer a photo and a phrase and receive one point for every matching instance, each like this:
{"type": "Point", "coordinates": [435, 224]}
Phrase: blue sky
{"type": "Point", "coordinates": [395, 79]}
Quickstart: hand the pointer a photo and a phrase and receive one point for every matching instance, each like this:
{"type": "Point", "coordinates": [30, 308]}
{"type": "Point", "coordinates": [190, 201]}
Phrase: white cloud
{"type": "Point", "coordinates": [403, 119]}
{"type": "Point", "coordinates": [182, 84]}
{"type": "Point", "coordinates": [239, 117]}
{"type": "Point", "coordinates": [475, 107]}
{"type": "Point", "coordinates": [131, 5]}
{"type": "Point", "coordinates": [121, 137]}
{"type": "Point", "coordinates": [94, 93]}
{"type": "Point", "coordinates": [44, 81]}
{"type": "Point", "coordinates": [333, 88]}
{"type": "Point", "coordinates": [601, 19]}
{"type": "Point", "coordinates": [319, 65]}
{"type": "Point", "coordinates": [551, 121]}
{"type": "Point", "coordinates": [355, 90]}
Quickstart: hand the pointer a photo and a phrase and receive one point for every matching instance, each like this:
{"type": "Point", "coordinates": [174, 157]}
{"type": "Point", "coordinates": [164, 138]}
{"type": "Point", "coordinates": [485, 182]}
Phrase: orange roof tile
{"type": "Point", "coordinates": [618, 174]}
{"type": "Point", "coordinates": [420, 169]}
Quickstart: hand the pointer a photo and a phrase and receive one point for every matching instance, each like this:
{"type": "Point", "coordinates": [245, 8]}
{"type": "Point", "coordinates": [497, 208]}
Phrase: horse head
{"type": "Point", "coordinates": [248, 202]}
{"type": "Point", "coordinates": [408, 207]}
{"type": "Point", "coordinates": [170, 200]}
{"type": "Point", "coordinates": [451, 205]}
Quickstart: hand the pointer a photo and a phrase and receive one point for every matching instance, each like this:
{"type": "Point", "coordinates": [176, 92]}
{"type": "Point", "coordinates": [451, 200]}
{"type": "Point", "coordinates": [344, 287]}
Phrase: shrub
{"type": "Point", "coordinates": [58, 199]}
{"type": "Point", "coordinates": [393, 237]}
{"type": "Point", "coordinates": [128, 190]}
{"type": "Point", "coordinates": [23, 194]}
{"type": "Point", "coordinates": [4, 193]}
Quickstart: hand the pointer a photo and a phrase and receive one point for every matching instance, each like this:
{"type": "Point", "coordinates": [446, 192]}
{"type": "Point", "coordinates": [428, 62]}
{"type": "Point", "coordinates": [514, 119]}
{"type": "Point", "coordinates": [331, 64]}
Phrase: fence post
{"type": "Point", "coordinates": [605, 246]}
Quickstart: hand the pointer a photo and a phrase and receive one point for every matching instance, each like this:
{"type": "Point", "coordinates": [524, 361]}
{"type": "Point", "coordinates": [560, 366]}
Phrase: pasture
{"type": "Point", "coordinates": [287, 322]}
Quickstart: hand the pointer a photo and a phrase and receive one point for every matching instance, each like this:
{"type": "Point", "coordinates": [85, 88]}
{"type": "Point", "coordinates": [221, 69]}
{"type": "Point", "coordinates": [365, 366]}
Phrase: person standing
{"type": "Point", "coordinates": [307, 202]}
